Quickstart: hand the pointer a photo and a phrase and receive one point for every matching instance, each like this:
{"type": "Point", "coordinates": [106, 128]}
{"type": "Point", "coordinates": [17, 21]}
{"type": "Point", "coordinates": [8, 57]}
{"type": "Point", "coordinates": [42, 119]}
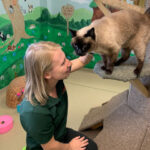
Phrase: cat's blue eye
{"type": "Point", "coordinates": [84, 47]}
{"type": "Point", "coordinates": [75, 46]}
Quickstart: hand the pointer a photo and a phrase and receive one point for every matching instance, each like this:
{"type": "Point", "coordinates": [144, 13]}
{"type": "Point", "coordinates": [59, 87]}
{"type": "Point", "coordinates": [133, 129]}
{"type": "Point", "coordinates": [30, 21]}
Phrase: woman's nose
{"type": "Point", "coordinates": [69, 63]}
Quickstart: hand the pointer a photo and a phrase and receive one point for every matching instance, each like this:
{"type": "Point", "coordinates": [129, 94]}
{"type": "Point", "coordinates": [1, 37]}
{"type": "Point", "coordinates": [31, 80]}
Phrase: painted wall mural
{"type": "Point", "coordinates": [23, 22]}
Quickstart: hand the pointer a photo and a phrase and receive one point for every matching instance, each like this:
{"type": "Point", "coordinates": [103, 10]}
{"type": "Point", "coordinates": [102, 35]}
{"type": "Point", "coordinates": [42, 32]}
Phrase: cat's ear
{"type": "Point", "coordinates": [91, 33]}
{"type": "Point", "coordinates": [73, 32]}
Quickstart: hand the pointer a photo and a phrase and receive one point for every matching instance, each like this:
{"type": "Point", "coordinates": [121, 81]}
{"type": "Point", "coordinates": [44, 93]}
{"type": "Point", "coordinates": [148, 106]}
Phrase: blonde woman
{"type": "Point", "coordinates": [44, 109]}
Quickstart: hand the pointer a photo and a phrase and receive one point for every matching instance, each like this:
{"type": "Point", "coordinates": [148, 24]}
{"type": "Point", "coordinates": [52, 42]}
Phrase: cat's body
{"type": "Point", "coordinates": [125, 29]}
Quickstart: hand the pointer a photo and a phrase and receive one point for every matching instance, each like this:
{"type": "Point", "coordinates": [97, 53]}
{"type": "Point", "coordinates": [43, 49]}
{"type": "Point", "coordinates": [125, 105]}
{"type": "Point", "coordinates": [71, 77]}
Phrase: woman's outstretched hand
{"type": "Point", "coordinates": [78, 143]}
{"type": "Point", "coordinates": [86, 59]}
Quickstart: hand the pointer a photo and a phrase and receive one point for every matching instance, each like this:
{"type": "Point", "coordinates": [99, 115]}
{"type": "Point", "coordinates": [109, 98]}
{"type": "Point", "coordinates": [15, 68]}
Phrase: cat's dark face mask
{"type": "Point", "coordinates": [82, 45]}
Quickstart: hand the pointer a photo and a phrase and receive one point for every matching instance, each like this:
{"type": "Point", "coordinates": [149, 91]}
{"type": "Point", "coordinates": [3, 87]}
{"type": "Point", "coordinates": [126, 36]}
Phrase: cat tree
{"type": "Point", "coordinates": [123, 123]}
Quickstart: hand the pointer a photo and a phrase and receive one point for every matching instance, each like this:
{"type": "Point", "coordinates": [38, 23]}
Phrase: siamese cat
{"type": "Point", "coordinates": [124, 30]}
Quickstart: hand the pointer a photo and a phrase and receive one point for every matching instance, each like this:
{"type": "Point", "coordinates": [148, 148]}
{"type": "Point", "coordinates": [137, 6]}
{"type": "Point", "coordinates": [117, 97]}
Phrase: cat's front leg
{"type": "Point", "coordinates": [111, 61]}
{"type": "Point", "coordinates": [104, 58]}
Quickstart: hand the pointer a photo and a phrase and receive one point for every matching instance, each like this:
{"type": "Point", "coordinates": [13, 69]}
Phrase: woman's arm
{"type": "Point", "coordinates": [55, 145]}
{"type": "Point", "coordinates": [81, 62]}
{"type": "Point", "coordinates": [76, 143]}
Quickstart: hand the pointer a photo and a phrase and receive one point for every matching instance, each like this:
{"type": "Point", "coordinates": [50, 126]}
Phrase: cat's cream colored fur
{"type": "Point", "coordinates": [125, 29]}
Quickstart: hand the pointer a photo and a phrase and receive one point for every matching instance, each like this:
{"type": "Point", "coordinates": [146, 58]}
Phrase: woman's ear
{"type": "Point", "coordinates": [47, 75]}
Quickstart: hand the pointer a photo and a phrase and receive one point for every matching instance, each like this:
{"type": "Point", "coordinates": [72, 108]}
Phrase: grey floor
{"type": "Point", "coordinates": [85, 90]}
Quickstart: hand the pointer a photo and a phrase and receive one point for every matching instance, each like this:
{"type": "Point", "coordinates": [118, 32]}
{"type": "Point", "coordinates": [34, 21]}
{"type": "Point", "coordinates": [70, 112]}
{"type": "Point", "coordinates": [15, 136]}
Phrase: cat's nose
{"type": "Point", "coordinates": [79, 52]}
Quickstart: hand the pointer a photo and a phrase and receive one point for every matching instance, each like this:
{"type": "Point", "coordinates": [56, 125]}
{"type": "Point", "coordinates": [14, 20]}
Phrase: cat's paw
{"type": "Point", "coordinates": [137, 72]}
{"type": "Point", "coordinates": [103, 67]}
{"type": "Point", "coordinates": [108, 71]}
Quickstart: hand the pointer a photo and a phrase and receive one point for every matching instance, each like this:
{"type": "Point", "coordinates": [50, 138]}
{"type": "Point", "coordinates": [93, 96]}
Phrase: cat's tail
{"type": "Point", "coordinates": [147, 12]}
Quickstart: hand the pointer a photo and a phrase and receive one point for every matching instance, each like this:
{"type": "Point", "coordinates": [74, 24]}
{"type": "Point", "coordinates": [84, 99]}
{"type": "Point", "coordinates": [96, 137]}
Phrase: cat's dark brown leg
{"type": "Point", "coordinates": [139, 67]}
{"type": "Point", "coordinates": [125, 54]}
{"type": "Point", "coordinates": [111, 61]}
{"type": "Point", "coordinates": [139, 51]}
{"type": "Point", "coordinates": [104, 58]}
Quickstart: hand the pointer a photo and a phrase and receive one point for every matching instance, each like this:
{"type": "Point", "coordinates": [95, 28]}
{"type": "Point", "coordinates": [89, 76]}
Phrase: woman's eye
{"type": "Point", "coordinates": [63, 62]}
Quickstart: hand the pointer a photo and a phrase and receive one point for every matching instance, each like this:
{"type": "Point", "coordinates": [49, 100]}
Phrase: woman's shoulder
{"type": "Point", "coordinates": [27, 107]}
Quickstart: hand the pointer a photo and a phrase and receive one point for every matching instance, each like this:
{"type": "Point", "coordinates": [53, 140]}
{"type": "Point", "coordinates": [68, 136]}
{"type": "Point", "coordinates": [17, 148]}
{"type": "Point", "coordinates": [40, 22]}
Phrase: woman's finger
{"type": "Point", "coordinates": [78, 137]}
{"type": "Point", "coordinates": [84, 144]}
{"type": "Point", "coordinates": [82, 138]}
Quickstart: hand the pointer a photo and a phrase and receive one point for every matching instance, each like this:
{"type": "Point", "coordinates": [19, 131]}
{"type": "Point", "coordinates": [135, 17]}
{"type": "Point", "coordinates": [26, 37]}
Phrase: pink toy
{"type": "Point", "coordinates": [18, 94]}
{"type": "Point", "coordinates": [6, 123]}
{"type": "Point", "coordinates": [22, 90]}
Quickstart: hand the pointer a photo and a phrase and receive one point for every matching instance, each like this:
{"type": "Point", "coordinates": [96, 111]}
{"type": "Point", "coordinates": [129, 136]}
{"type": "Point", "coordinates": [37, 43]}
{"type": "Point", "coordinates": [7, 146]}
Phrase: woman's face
{"type": "Point", "coordinates": [61, 66]}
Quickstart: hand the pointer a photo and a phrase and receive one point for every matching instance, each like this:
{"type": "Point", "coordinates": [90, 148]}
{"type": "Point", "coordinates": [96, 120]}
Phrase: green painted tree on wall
{"type": "Point", "coordinates": [45, 16]}
{"type": "Point", "coordinates": [17, 20]}
{"type": "Point", "coordinates": [92, 4]}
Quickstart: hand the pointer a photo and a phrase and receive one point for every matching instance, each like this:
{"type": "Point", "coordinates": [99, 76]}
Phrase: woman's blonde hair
{"type": "Point", "coordinates": [37, 61]}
